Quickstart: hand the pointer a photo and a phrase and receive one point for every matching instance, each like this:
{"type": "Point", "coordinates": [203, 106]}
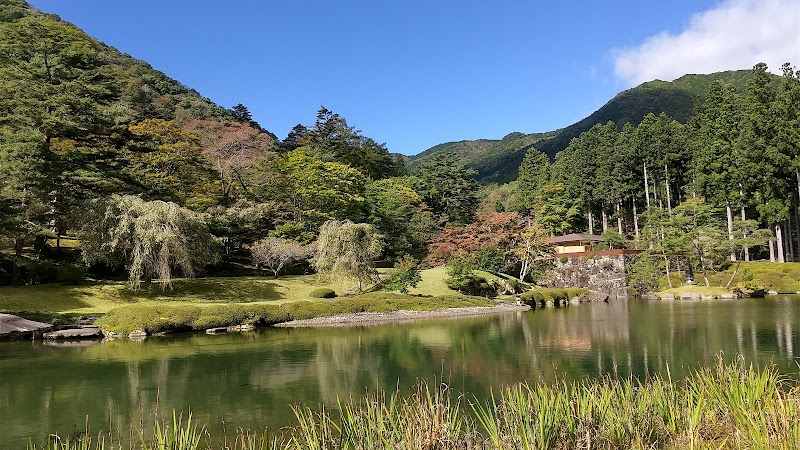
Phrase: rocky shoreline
{"type": "Point", "coordinates": [366, 318]}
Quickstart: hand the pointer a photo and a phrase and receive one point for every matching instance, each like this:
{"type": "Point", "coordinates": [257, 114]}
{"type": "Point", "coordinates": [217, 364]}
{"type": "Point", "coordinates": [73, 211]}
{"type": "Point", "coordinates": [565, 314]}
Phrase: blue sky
{"type": "Point", "coordinates": [418, 73]}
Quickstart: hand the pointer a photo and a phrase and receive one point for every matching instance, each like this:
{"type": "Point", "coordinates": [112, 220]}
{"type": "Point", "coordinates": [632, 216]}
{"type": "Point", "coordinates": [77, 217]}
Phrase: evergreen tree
{"type": "Point", "coordinates": [534, 172]}
{"type": "Point", "coordinates": [448, 189]}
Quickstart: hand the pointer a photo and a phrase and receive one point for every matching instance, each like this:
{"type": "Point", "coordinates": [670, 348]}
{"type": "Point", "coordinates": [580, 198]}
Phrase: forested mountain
{"type": "Point", "coordinates": [498, 161]}
{"type": "Point", "coordinates": [494, 161]}
{"type": "Point", "coordinates": [99, 146]}
{"type": "Point", "coordinates": [143, 91]}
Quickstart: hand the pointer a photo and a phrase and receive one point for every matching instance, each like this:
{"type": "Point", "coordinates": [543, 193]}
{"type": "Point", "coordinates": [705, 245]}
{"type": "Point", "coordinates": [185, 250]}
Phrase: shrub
{"type": "Point", "coordinates": [308, 310]}
{"type": "Point", "coordinates": [490, 259]}
{"type": "Point", "coordinates": [644, 274]}
{"type": "Point", "coordinates": [323, 293]}
{"type": "Point", "coordinates": [70, 273]}
{"type": "Point", "coordinates": [405, 275]}
{"type": "Point", "coordinates": [540, 295]}
{"type": "Point", "coordinates": [459, 274]}
{"type": "Point", "coordinates": [150, 318]}
{"type": "Point", "coordinates": [37, 272]}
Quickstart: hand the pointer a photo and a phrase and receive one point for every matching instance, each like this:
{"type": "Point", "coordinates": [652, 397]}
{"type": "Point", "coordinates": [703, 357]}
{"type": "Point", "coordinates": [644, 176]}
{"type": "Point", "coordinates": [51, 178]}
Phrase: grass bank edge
{"type": "Point", "coordinates": [159, 318]}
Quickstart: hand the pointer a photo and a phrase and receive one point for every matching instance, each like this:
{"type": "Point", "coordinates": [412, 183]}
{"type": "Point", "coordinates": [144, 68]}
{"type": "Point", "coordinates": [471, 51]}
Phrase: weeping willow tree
{"type": "Point", "coordinates": [346, 250]}
{"type": "Point", "coordinates": [150, 239]}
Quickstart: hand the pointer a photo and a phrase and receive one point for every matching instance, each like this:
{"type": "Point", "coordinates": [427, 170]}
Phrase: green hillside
{"type": "Point", "coordinates": [498, 161]}
{"type": "Point", "coordinates": [143, 92]}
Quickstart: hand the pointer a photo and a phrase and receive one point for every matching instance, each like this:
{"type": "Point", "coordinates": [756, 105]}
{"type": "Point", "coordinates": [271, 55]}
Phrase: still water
{"type": "Point", "coordinates": [250, 379]}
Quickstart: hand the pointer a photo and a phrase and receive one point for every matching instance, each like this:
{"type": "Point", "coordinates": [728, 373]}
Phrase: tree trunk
{"type": "Point", "coordinates": [730, 226]}
{"type": "Point", "coordinates": [666, 265]}
{"type": "Point", "coordinates": [779, 237]}
{"type": "Point", "coordinates": [703, 266]}
{"type": "Point", "coordinates": [744, 217]}
{"type": "Point", "coordinates": [771, 250]}
{"type": "Point", "coordinates": [619, 216]}
{"type": "Point", "coordinates": [666, 183]}
{"type": "Point", "coordinates": [797, 210]}
{"type": "Point", "coordinates": [735, 271]}
{"type": "Point", "coordinates": [655, 188]}
{"type": "Point", "coordinates": [646, 187]}
{"type": "Point", "coordinates": [635, 219]}
{"type": "Point", "coordinates": [591, 222]}
{"type": "Point", "coordinates": [605, 218]}
{"type": "Point", "coordinates": [789, 241]}
{"type": "Point", "coordinates": [16, 271]}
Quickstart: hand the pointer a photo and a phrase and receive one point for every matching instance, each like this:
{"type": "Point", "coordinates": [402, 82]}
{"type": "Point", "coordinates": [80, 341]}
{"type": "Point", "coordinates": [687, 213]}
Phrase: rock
{"type": "Point", "coordinates": [76, 333]}
{"type": "Point", "coordinates": [217, 330]}
{"type": "Point", "coordinates": [110, 335]}
{"type": "Point", "coordinates": [668, 297]}
{"type": "Point", "coordinates": [15, 327]}
{"type": "Point", "coordinates": [243, 327]}
{"type": "Point", "coordinates": [137, 335]}
{"type": "Point", "coordinates": [728, 296]}
{"type": "Point", "coordinates": [690, 295]}
{"type": "Point", "coordinates": [757, 293]}
{"type": "Point", "coordinates": [708, 297]}
{"type": "Point", "coordinates": [549, 303]}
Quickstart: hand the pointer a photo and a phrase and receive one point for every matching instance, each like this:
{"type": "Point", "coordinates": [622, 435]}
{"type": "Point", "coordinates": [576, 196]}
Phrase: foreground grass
{"type": "Point", "coordinates": [156, 318]}
{"type": "Point", "coordinates": [101, 297]}
{"type": "Point", "coordinates": [723, 407]}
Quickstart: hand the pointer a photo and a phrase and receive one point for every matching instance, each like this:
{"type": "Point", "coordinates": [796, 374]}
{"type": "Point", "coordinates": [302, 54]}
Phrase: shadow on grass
{"type": "Point", "coordinates": [211, 290]}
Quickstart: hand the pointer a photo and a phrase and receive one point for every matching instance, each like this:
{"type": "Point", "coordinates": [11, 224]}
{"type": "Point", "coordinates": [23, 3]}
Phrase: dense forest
{"type": "Point", "coordinates": [107, 162]}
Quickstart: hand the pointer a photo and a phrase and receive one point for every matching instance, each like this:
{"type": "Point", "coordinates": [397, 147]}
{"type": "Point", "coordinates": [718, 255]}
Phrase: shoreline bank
{"type": "Point", "coordinates": [400, 316]}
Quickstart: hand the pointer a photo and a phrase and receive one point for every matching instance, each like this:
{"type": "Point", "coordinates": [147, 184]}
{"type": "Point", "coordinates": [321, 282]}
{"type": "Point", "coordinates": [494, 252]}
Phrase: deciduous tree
{"type": "Point", "coordinates": [150, 239]}
{"type": "Point", "coordinates": [346, 250]}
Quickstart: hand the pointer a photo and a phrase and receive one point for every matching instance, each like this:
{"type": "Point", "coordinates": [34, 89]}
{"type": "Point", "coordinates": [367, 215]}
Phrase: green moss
{"type": "Point", "coordinates": [151, 319]}
{"type": "Point", "coordinates": [163, 318]}
{"type": "Point", "coordinates": [323, 293]}
{"type": "Point", "coordinates": [539, 294]}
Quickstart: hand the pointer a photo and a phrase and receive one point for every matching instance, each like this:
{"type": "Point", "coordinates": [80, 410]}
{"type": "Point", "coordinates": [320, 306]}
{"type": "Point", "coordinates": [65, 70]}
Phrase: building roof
{"type": "Point", "coordinates": [576, 237]}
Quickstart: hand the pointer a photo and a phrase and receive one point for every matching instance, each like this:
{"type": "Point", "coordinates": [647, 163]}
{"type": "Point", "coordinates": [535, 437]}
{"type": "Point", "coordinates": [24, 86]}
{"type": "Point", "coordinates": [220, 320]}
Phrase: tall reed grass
{"type": "Point", "coordinates": [727, 406]}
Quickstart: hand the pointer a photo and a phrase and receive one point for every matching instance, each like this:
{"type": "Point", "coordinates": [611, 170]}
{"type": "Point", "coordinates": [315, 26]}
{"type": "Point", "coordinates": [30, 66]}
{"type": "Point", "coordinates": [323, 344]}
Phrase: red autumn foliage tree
{"type": "Point", "coordinates": [501, 230]}
{"type": "Point", "coordinates": [232, 148]}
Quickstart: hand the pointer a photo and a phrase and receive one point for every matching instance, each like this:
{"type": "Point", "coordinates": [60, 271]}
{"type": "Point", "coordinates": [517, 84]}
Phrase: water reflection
{"type": "Point", "coordinates": [251, 379]}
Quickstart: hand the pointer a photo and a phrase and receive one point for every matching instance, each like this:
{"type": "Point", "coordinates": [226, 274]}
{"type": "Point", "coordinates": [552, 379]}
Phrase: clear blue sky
{"type": "Point", "coordinates": [409, 73]}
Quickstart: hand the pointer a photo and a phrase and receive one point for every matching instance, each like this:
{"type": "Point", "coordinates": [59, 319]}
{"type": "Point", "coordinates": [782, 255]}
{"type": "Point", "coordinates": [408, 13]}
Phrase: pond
{"type": "Point", "coordinates": [251, 379]}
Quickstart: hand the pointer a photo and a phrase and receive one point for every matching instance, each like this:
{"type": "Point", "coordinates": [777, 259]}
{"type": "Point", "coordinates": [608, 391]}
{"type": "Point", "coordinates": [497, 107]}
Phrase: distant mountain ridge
{"type": "Point", "coordinates": [497, 161]}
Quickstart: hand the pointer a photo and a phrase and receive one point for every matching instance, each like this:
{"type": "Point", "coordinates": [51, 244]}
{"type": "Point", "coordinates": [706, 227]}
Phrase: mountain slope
{"type": "Point", "coordinates": [498, 161]}
{"type": "Point", "coordinates": [144, 92]}
{"type": "Point", "coordinates": [495, 161]}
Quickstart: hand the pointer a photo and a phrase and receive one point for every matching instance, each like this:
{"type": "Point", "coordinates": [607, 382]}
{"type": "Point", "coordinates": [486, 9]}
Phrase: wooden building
{"type": "Point", "coordinates": [575, 243]}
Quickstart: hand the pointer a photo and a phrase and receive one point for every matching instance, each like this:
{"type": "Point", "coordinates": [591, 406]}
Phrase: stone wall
{"type": "Point", "coordinates": [603, 273]}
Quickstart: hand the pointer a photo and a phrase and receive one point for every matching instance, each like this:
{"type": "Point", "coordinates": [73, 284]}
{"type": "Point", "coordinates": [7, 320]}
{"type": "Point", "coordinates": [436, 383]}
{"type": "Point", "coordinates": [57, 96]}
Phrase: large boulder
{"type": "Point", "coordinates": [76, 333]}
{"type": "Point", "coordinates": [15, 327]}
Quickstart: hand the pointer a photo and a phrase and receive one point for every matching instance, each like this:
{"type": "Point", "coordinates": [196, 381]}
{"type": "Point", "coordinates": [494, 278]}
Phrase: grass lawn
{"type": "Point", "coordinates": [433, 283]}
{"type": "Point", "coordinates": [98, 298]}
{"type": "Point", "coordinates": [782, 278]}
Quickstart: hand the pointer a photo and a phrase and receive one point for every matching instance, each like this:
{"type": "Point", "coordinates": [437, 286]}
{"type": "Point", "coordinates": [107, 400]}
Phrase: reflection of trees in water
{"type": "Point", "coordinates": [250, 379]}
